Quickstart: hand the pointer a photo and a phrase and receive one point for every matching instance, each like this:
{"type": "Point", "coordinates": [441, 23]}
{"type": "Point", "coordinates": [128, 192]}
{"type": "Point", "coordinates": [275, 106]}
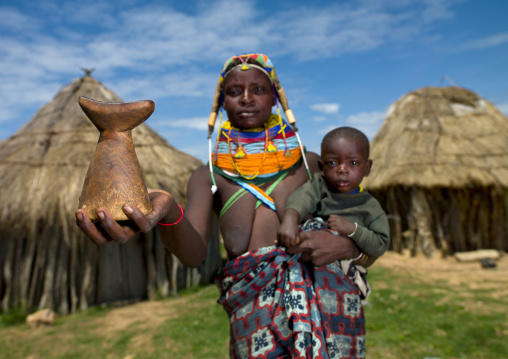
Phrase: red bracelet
{"type": "Point", "coordinates": [172, 224]}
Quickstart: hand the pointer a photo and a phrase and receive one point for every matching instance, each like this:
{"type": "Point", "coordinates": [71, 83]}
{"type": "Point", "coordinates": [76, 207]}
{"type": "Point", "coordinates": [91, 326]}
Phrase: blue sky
{"type": "Point", "coordinates": [340, 62]}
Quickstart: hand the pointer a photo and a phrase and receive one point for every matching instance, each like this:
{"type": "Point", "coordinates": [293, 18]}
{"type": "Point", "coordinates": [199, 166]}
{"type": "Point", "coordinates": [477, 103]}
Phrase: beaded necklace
{"type": "Point", "coordinates": [258, 155]}
{"type": "Point", "coordinates": [240, 153]}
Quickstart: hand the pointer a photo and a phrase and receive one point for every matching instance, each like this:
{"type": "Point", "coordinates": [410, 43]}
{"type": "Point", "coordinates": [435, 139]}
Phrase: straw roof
{"type": "Point", "coordinates": [443, 137]}
{"type": "Point", "coordinates": [46, 161]}
{"type": "Point", "coordinates": [42, 169]}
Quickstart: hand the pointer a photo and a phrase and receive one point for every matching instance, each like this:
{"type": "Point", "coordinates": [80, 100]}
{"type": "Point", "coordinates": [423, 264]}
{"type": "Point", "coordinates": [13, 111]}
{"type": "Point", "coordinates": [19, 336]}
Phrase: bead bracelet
{"type": "Point", "coordinates": [352, 234]}
{"type": "Point", "coordinates": [177, 221]}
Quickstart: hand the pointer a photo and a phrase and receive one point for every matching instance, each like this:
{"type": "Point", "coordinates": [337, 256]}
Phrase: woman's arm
{"type": "Point", "coordinates": [187, 239]}
{"type": "Point", "coordinates": [322, 247]}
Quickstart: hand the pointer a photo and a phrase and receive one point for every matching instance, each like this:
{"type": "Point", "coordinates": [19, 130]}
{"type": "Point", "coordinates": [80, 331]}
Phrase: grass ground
{"type": "Point", "coordinates": [419, 308]}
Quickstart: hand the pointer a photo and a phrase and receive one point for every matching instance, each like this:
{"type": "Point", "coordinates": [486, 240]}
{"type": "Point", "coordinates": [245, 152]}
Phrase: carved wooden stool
{"type": "Point", "coordinates": [114, 176]}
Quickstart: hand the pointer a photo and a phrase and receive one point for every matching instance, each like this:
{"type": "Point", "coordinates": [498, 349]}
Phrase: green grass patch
{"type": "Point", "coordinates": [407, 317]}
{"type": "Point", "coordinates": [13, 317]}
{"type": "Point", "coordinates": [200, 331]}
{"type": "Point", "coordinates": [411, 318]}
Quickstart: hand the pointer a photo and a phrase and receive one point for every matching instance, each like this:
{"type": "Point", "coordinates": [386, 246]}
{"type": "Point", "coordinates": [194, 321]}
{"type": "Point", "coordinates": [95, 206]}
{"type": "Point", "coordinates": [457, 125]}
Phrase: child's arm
{"type": "Point", "coordinates": [373, 239]}
{"type": "Point", "coordinates": [340, 224]}
{"type": "Point", "coordinates": [288, 234]}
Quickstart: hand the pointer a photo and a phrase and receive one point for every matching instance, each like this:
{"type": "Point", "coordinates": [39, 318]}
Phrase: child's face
{"type": "Point", "coordinates": [344, 164]}
{"type": "Point", "coordinates": [248, 98]}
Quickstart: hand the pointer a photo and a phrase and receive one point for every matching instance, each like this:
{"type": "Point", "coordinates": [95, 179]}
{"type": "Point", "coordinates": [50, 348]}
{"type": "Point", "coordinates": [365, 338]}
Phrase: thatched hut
{"type": "Point", "coordinates": [440, 171]}
{"type": "Point", "coordinates": [45, 260]}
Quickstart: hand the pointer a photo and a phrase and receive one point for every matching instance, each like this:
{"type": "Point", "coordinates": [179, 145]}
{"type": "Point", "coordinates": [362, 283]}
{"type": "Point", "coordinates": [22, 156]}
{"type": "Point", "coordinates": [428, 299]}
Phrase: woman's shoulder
{"type": "Point", "coordinates": [313, 161]}
{"type": "Point", "coordinates": [201, 172]}
{"type": "Point", "coordinates": [200, 176]}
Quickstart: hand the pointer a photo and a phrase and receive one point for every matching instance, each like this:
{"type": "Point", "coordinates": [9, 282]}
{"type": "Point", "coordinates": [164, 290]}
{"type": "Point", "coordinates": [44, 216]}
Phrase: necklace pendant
{"type": "Point", "coordinates": [240, 152]}
{"type": "Point", "coordinates": [270, 147]}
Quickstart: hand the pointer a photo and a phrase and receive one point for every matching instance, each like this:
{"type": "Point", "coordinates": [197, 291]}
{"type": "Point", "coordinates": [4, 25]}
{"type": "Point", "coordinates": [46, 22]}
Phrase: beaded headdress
{"type": "Point", "coordinates": [287, 134]}
{"type": "Point", "coordinates": [260, 61]}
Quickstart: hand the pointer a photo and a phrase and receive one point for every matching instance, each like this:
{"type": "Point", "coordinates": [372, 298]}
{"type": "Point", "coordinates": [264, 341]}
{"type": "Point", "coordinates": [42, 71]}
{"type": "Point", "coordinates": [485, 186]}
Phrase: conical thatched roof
{"type": "Point", "coordinates": [45, 259]}
{"type": "Point", "coordinates": [441, 137]}
{"type": "Point", "coordinates": [440, 171]}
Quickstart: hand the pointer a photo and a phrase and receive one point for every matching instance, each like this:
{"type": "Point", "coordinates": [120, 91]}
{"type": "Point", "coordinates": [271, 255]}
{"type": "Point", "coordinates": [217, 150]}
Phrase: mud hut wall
{"type": "Point", "coordinates": [499, 231]}
{"type": "Point", "coordinates": [458, 219]}
{"type": "Point", "coordinates": [52, 273]}
{"type": "Point", "coordinates": [48, 265]}
{"type": "Point", "coordinates": [45, 260]}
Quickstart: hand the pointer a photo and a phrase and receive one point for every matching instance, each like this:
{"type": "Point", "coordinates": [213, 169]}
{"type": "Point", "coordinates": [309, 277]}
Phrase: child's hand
{"type": "Point", "coordinates": [288, 235]}
{"type": "Point", "coordinates": [340, 224]}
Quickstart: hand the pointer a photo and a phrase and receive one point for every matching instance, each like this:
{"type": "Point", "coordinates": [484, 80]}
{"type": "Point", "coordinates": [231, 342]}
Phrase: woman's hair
{"type": "Point", "coordinates": [237, 62]}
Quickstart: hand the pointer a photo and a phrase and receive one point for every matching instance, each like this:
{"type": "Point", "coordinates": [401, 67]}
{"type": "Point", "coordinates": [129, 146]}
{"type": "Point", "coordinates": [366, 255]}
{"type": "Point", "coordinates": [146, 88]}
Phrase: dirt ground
{"type": "Point", "coordinates": [457, 274]}
{"type": "Point", "coordinates": [148, 315]}
{"type": "Point", "coordinates": [449, 269]}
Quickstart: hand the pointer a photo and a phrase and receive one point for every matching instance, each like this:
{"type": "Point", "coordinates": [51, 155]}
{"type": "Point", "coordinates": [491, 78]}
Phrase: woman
{"type": "Point", "coordinates": [281, 302]}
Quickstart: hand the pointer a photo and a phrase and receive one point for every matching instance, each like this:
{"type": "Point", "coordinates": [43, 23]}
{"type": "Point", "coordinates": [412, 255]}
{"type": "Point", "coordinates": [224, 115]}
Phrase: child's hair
{"type": "Point", "coordinates": [351, 134]}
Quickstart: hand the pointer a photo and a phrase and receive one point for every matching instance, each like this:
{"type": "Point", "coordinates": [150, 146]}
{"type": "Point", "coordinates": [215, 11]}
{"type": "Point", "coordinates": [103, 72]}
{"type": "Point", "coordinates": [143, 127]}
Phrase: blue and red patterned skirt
{"type": "Point", "coordinates": [281, 308]}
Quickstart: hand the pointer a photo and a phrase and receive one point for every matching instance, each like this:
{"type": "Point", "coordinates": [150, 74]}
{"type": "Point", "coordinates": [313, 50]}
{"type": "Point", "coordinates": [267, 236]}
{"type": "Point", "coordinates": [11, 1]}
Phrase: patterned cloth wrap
{"type": "Point", "coordinates": [281, 308]}
{"type": "Point", "coordinates": [356, 273]}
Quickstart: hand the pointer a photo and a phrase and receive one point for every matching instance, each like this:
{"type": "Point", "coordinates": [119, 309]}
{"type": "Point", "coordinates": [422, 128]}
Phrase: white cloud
{"type": "Point", "coordinates": [157, 51]}
{"type": "Point", "coordinates": [327, 108]}
{"type": "Point", "coordinates": [152, 85]}
{"type": "Point", "coordinates": [366, 118]}
{"type": "Point", "coordinates": [319, 119]}
{"type": "Point", "coordinates": [485, 42]}
{"type": "Point", "coordinates": [15, 21]}
{"type": "Point", "coordinates": [155, 35]}
{"type": "Point", "coordinates": [336, 29]}
{"type": "Point", "coordinates": [367, 122]}
{"type": "Point", "coordinates": [197, 123]}
{"type": "Point", "coordinates": [436, 10]}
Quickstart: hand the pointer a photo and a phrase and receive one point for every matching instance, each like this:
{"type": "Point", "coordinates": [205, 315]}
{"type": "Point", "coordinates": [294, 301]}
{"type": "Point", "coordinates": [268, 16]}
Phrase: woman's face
{"type": "Point", "coordinates": [248, 98]}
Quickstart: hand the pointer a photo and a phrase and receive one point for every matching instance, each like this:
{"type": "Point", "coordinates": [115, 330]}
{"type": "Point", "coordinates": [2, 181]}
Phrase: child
{"type": "Point", "coordinates": [336, 198]}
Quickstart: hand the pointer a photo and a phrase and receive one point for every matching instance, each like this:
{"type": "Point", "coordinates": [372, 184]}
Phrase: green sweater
{"type": "Point", "coordinates": [317, 198]}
